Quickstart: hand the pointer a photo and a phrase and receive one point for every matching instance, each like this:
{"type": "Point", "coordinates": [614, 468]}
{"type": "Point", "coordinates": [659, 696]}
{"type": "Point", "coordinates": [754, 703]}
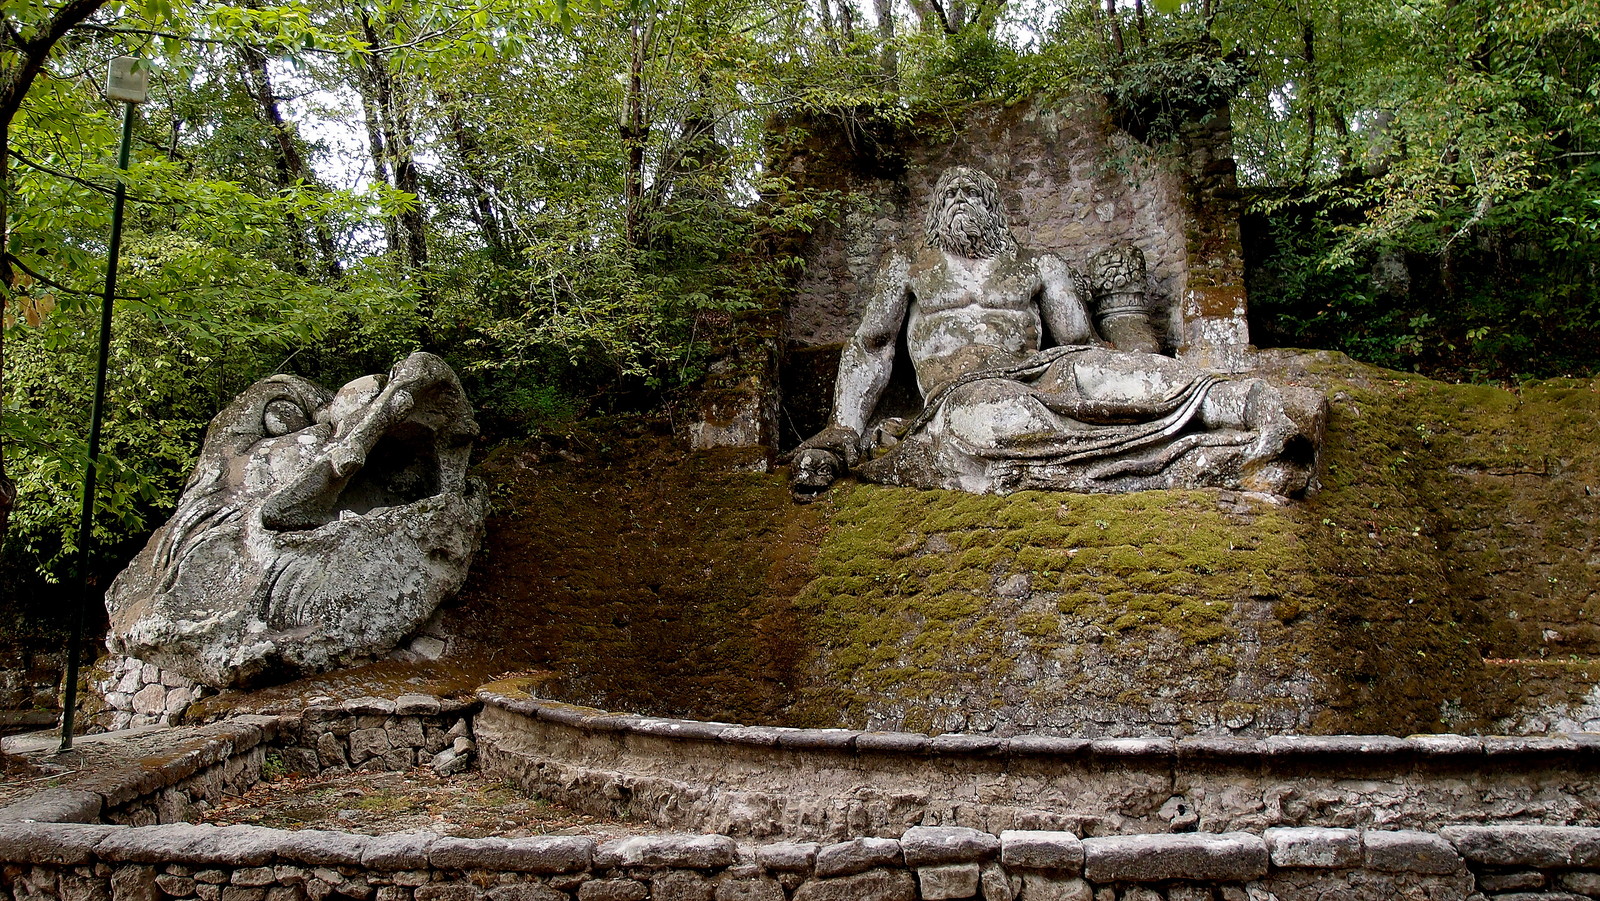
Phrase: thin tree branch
{"type": "Point", "coordinates": [48, 282]}
{"type": "Point", "coordinates": [228, 42]}
{"type": "Point", "coordinates": [51, 283]}
{"type": "Point", "coordinates": [33, 164]}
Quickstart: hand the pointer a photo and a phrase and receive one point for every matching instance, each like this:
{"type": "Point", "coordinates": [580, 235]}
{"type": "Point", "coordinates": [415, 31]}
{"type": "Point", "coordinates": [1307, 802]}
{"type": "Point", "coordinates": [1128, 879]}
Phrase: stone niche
{"type": "Point", "coordinates": [1074, 184]}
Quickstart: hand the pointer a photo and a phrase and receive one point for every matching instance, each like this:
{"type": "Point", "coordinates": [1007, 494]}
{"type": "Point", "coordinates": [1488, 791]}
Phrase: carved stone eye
{"type": "Point", "coordinates": [284, 416]}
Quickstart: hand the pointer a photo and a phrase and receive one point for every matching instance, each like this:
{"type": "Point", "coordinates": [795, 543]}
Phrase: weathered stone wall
{"type": "Point", "coordinates": [77, 862]}
{"type": "Point", "coordinates": [1073, 184]}
{"type": "Point", "coordinates": [201, 766]}
{"type": "Point", "coordinates": [30, 681]}
{"type": "Point", "coordinates": [830, 784]}
{"type": "Point", "coordinates": [1444, 579]}
{"type": "Point", "coordinates": [57, 846]}
{"type": "Point", "coordinates": [210, 762]}
{"type": "Point", "coordinates": [136, 693]}
{"type": "Point", "coordinates": [380, 735]}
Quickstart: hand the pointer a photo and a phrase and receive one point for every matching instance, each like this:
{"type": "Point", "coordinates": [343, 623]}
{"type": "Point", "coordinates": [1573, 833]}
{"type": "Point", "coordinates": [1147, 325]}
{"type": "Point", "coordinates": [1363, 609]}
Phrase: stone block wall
{"type": "Point", "coordinates": [1072, 182]}
{"type": "Point", "coordinates": [378, 734]}
{"type": "Point", "coordinates": [77, 862]}
{"type": "Point", "coordinates": [30, 681]}
{"type": "Point", "coordinates": [136, 693]}
{"type": "Point", "coordinates": [1373, 818]}
{"type": "Point", "coordinates": [210, 762]}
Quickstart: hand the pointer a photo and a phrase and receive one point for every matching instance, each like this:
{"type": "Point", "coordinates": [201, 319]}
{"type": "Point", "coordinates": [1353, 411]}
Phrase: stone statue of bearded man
{"type": "Point", "coordinates": [1021, 392]}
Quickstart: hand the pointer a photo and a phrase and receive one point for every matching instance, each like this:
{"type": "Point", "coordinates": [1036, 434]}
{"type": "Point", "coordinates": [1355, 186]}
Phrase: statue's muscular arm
{"type": "Point", "coordinates": [867, 362]}
{"type": "Point", "coordinates": [869, 357]}
{"type": "Point", "coordinates": [1064, 312]}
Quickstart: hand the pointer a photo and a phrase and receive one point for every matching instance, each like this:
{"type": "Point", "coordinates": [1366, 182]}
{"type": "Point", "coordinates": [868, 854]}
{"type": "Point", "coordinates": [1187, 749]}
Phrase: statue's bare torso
{"type": "Point", "coordinates": [960, 314]}
{"type": "Point", "coordinates": [970, 314]}
{"type": "Point", "coordinates": [1100, 415]}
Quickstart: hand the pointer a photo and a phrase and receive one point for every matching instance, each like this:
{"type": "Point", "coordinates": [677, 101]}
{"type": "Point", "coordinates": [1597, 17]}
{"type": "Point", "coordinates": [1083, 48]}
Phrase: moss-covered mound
{"type": "Point", "coordinates": [1445, 577]}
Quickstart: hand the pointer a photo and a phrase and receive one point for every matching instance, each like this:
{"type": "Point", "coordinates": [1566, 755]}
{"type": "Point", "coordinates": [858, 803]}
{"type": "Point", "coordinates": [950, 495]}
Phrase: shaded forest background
{"type": "Point", "coordinates": [568, 200]}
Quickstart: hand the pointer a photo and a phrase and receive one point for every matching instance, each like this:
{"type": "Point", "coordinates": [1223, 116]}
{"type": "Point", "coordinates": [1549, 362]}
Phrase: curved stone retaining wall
{"type": "Point", "coordinates": [57, 862]}
{"type": "Point", "coordinates": [59, 846]}
{"type": "Point", "coordinates": [207, 763]}
{"type": "Point", "coordinates": [199, 767]}
{"type": "Point", "coordinates": [830, 784]}
{"type": "Point", "coordinates": [380, 734]}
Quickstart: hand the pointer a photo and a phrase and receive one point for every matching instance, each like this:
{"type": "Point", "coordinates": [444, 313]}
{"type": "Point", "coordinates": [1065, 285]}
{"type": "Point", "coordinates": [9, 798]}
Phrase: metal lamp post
{"type": "Point", "coordinates": [128, 81]}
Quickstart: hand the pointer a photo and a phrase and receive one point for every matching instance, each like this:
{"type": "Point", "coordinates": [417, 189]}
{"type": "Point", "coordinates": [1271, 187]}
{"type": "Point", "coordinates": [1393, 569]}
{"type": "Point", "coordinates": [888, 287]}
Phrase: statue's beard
{"type": "Point", "coordinates": [970, 230]}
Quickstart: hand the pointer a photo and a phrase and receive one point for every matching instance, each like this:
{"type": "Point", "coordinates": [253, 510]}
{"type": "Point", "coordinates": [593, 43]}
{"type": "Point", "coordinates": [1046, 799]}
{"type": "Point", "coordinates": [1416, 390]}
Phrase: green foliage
{"type": "Point", "coordinates": [1299, 298]}
{"type": "Point", "coordinates": [970, 65]}
{"type": "Point", "coordinates": [1158, 88]}
{"type": "Point", "coordinates": [176, 359]}
{"type": "Point", "coordinates": [1517, 300]}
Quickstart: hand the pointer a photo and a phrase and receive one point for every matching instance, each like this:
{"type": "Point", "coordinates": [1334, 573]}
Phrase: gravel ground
{"type": "Point", "coordinates": [466, 805]}
{"type": "Point", "coordinates": [32, 762]}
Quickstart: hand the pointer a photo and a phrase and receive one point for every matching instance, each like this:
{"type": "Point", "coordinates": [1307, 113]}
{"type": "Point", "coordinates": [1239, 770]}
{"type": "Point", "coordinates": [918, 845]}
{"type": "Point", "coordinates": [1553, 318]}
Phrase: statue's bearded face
{"type": "Point", "coordinates": [967, 217]}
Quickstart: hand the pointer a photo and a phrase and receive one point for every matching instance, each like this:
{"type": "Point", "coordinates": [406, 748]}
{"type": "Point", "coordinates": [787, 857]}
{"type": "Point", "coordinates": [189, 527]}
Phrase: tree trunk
{"type": "Point", "coordinates": [371, 77]}
{"type": "Point", "coordinates": [390, 132]}
{"type": "Point", "coordinates": [380, 165]}
{"type": "Point", "coordinates": [253, 73]}
{"type": "Point", "coordinates": [957, 10]}
{"type": "Point", "coordinates": [1341, 127]}
{"type": "Point", "coordinates": [1114, 21]}
{"type": "Point", "coordinates": [889, 60]}
{"type": "Point", "coordinates": [1308, 39]}
{"type": "Point", "coordinates": [931, 16]}
{"type": "Point", "coordinates": [847, 22]}
{"type": "Point", "coordinates": [830, 33]}
{"type": "Point", "coordinates": [288, 163]}
{"type": "Point", "coordinates": [481, 207]}
{"type": "Point", "coordinates": [8, 488]}
{"type": "Point", "coordinates": [635, 135]}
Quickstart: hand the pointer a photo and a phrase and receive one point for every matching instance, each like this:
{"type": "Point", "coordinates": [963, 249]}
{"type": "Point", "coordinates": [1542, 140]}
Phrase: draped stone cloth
{"type": "Point", "coordinates": [1037, 425]}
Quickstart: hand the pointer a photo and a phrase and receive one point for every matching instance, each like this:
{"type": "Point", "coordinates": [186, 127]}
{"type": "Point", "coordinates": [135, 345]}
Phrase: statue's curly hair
{"type": "Point", "coordinates": [994, 231]}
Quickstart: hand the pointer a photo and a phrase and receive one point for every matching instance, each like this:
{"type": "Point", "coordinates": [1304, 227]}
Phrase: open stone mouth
{"type": "Point", "coordinates": [400, 470]}
{"type": "Point", "coordinates": [386, 459]}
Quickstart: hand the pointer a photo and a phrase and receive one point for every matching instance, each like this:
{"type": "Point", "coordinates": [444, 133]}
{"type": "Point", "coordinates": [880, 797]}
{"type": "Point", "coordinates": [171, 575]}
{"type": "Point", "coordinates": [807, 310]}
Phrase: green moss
{"type": "Point", "coordinates": [1389, 586]}
{"type": "Point", "coordinates": [1168, 564]}
{"type": "Point", "coordinates": [1443, 522]}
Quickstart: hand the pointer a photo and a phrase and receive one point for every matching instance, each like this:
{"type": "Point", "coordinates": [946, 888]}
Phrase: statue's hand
{"type": "Point", "coordinates": [842, 441]}
{"type": "Point", "coordinates": [814, 470]}
{"type": "Point", "coordinates": [821, 459]}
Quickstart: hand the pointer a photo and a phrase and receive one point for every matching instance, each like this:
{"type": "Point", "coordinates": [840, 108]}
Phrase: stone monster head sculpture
{"type": "Point", "coordinates": [317, 528]}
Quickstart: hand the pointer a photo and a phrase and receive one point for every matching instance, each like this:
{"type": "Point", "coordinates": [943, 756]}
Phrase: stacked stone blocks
{"type": "Point", "coordinates": [378, 734]}
{"type": "Point", "coordinates": [831, 784]}
{"type": "Point", "coordinates": [93, 862]}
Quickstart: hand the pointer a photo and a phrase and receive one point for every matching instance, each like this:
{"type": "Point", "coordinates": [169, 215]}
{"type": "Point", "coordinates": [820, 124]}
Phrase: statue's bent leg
{"type": "Point", "coordinates": [995, 413]}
